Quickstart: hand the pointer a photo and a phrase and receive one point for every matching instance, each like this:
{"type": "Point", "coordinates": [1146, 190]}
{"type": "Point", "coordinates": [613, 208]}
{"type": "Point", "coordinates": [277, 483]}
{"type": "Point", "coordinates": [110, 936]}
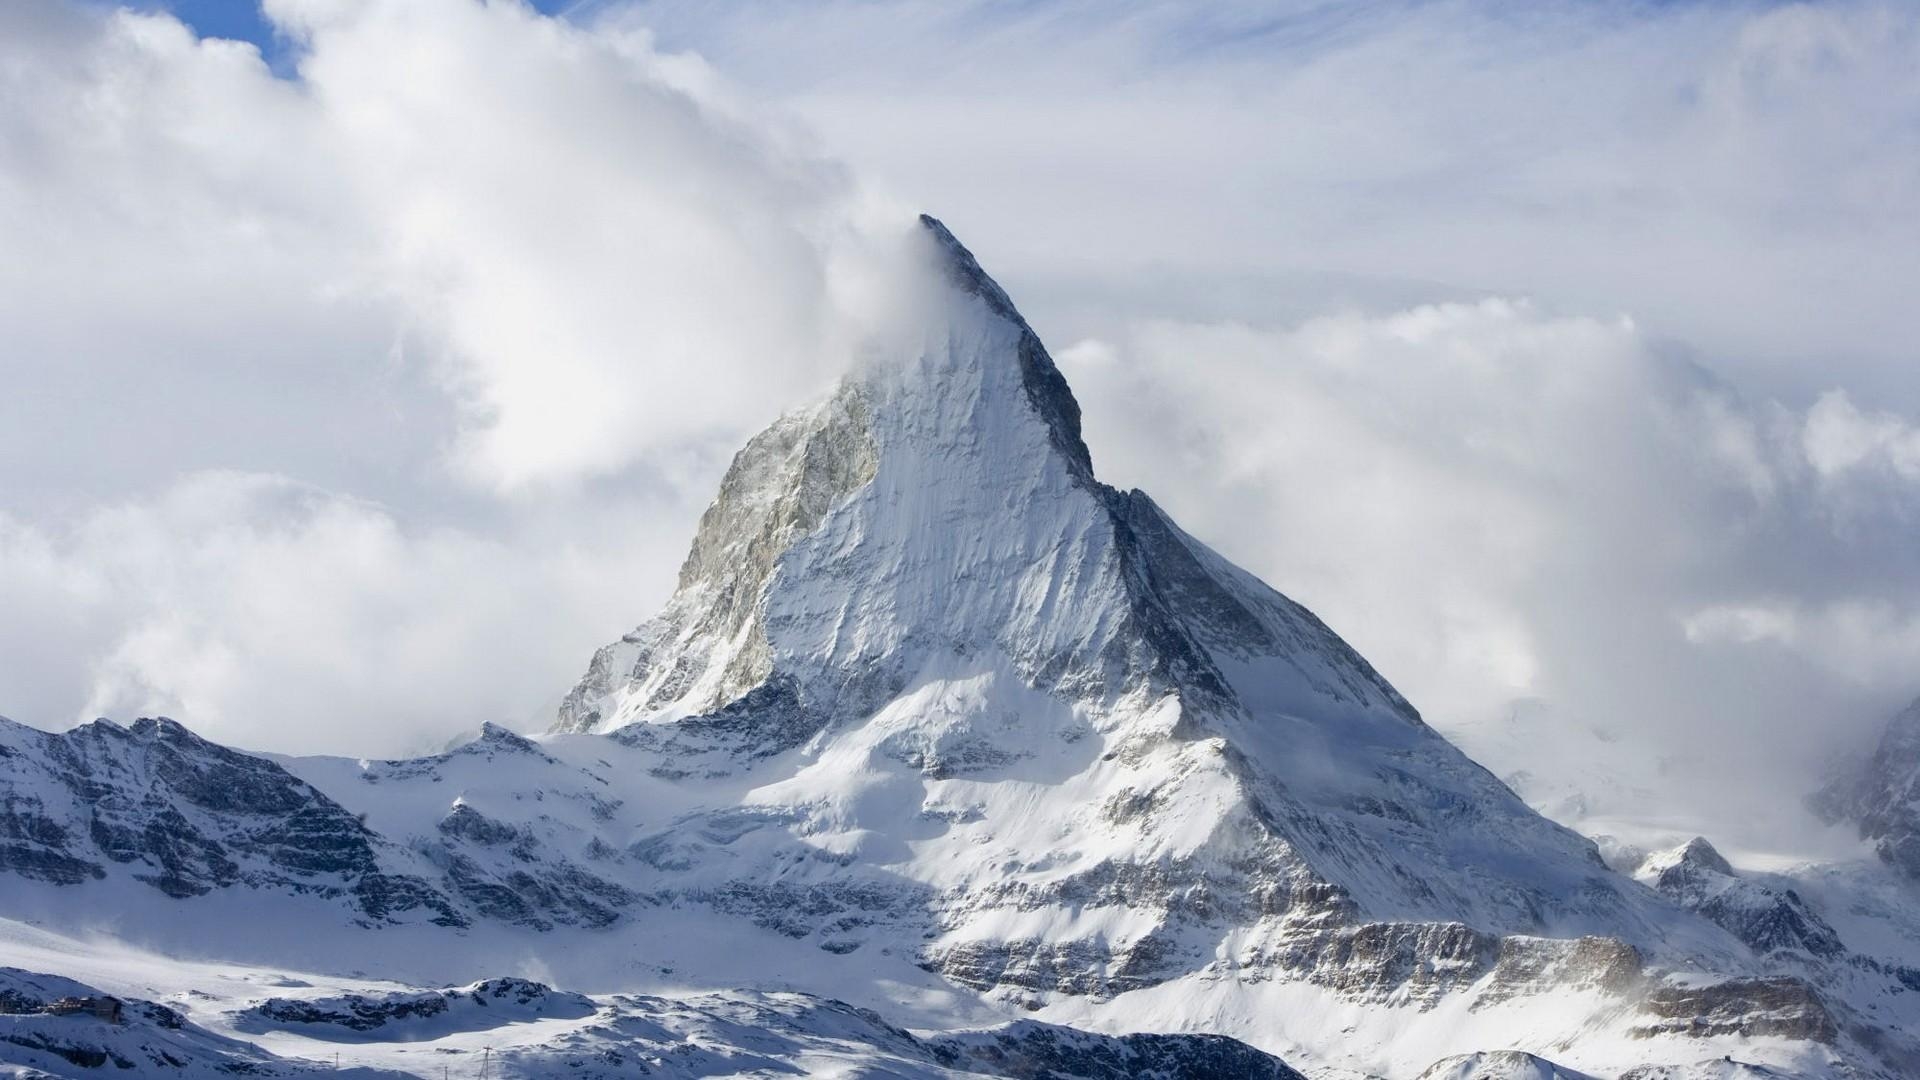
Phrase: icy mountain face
{"type": "Point", "coordinates": [957, 515]}
{"type": "Point", "coordinates": [1882, 795]}
{"type": "Point", "coordinates": [950, 652]}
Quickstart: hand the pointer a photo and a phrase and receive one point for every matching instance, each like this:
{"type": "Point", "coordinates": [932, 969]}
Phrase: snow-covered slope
{"type": "Point", "coordinates": [38, 1038]}
{"type": "Point", "coordinates": [936, 724]}
{"type": "Point", "coordinates": [216, 1023]}
{"type": "Point", "coordinates": [1499, 1065]}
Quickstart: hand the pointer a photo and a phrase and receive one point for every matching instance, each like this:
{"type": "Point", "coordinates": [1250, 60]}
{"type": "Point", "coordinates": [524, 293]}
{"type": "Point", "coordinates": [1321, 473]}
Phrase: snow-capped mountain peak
{"type": "Point", "coordinates": [915, 602]}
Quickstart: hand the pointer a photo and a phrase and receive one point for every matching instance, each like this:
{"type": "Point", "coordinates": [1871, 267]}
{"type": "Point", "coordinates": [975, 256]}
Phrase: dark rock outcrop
{"type": "Point", "coordinates": [1779, 1006]}
{"type": "Point", "coordinates": [1881, 796]}
{"type": "Point", "coordinates": [1767, 918]}
{"type": "Point", "coordinates": [186, 817]}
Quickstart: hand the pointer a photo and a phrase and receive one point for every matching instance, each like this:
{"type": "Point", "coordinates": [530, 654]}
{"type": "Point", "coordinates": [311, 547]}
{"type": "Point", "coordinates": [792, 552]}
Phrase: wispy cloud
{"type": "Point", "coordinates": [1743, 177]}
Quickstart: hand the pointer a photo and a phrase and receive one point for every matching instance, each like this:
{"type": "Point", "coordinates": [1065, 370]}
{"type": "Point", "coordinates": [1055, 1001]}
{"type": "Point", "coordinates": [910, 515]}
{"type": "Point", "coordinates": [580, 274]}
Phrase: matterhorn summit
{"type": "Point", "coordinates": [943, 759]}
{"type": "Point", "coordinates": [919, 620]}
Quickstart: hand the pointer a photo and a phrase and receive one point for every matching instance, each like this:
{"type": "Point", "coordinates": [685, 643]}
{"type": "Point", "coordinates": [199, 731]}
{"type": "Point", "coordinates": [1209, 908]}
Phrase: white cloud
{"type": "Point", "coordinates": [1840, 438]}
{"type": "Point", "coordinates": [519, 286]}
{"type": "Point", "coordinates": [1498, 504]}
{"type": "Point", "coordinates": [1738, 176]}
{"type": "Point", "coordinates": [268, 613]}
{"type": "Point", "coordinates": [1745, 624]}
{"type": "Point", "coordinates": [612, 265]}
{"type": "Point", "coordinates": [1400, 474]}
{"type": "Point", "coordinates": [577, 241]}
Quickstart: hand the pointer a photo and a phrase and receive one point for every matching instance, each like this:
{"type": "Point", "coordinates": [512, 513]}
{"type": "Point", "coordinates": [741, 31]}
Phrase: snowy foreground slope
{"type": "Point", "coordinates": [219, 1020]}
{"type": "Point", "coordinates": [938, 727]}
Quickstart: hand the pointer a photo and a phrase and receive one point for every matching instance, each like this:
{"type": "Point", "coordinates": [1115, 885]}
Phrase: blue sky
{"type": "Point", "coordinates": [240, 19]}
{"type": "Point", "coordinates": [243, 21]}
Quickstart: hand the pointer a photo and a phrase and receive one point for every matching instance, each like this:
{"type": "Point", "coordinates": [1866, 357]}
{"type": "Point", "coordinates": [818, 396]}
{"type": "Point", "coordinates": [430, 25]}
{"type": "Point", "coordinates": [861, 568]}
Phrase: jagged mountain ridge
{"type": "Point", "coordinates": [188, 816]}
{"type": "Point", "coordinates": [1768, 919]}
{"type": "Point", "coordinates": [936, 710]}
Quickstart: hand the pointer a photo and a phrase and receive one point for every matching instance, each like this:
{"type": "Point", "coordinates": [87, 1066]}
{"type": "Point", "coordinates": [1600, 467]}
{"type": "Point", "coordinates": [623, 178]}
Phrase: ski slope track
{"type": "Point", "coordinates": [943, 759]}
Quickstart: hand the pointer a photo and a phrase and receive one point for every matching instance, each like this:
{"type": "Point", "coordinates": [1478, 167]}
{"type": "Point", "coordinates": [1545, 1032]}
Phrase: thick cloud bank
{"type": "Point", "coordinates": [1744, 176]}
{"type": "Point", "coordinates": [1499, 505]}
{"type": "Point", "coordinates": [593, 254]}
{"type": "Point", "coordinates": [272, 614]}
{"type": "Point", "coordinates": [350, 409]}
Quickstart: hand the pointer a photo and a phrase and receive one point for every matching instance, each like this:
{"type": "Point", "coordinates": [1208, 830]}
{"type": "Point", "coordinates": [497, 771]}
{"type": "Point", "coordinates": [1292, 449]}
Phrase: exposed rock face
{"type": "Point", "coordinates": [1543, 965]}
{"type": "Point", "coordinates": [487, 1004]}
{"type": "Point", "coordinates": [1882, 795]}
{"type": "Point", "coordinates": [186, 816]}
{"type": "Point", "coordinates": [710, 646]}
{"type": "Point", "coordinates": [1767, 919]}
{"type": "Point", "coordinates": [1776, 1006]}
{"type": "Point", "coordinates": [1031, 1051]}
{"type": "Point", "coordinates": [495, 857]}
{"type": "Point", "coordinates": [183, 816]}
